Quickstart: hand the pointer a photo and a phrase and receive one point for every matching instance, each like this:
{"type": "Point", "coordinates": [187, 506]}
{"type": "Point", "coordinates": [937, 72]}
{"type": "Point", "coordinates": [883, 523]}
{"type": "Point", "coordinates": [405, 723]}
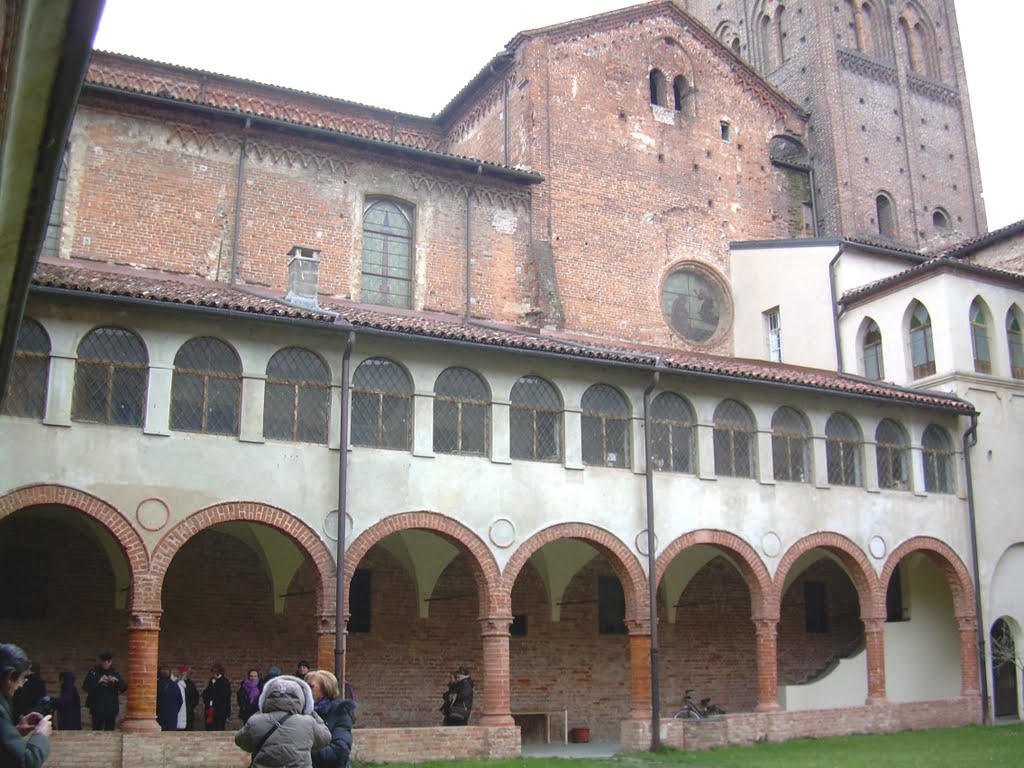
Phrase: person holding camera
{"type": "Point", "coordinates": [103, 686]}
{"type": "Point", "coordinates": [24, 743]}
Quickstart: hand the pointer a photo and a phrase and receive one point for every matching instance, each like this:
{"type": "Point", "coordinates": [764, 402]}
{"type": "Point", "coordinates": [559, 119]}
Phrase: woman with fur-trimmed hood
{"type": "Point", "coordinates": [286, 728]}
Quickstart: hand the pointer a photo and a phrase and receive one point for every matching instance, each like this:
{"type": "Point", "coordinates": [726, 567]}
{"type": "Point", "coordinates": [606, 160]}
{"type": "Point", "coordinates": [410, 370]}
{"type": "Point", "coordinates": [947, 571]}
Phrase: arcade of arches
{"type": "Point", "coordinates": [564, 625]}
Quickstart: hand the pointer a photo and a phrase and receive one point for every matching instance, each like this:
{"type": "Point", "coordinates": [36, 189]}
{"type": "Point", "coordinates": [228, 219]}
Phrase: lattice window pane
{"type": "Point", "coordinates": [395, 422]}
{"type": "Point", "coordinates": [843, 450]}
{"type": "Point", "coordinates": [206, 391]}
{"type": "Point", "coordinates": [474, 429]}
{"type": "Point", "coordinates": [387, 254]}
{"type": "Point", "coordinates": [672, 434]}
{"type": "Point", "coordinates": [605, 427]}
{"type": "Point", "coordinates": [297, 400]}
{"type": "Point", "coordinates": [223, 396]}
{"type": "Point", "coordinates": [381, 405]}
{"type": "Point", "coordinates": [892, 456]}
{"type": "Point", "coordinates": [733, 440]}
{"type": "Point", "coordinates": [461, 406]}
{"type": "Point", "coordinates": [111, 377]}
{"type": "Point", "coordinates": [616, 442]}
{"type": "Point", "coordinates": [209, 356]}
{"type": "Point", "coordinates": [365, 415]}
{"type": "Point", "coordinates": [535, 420]}
{"type": "Point", "coordinates": [446, 426]}
{"type": "Point", "coordinates": [937, 452]}
{"type": "Point", "coordinates": [790, 446]}
{"type": "Point", "coordinates": [187, 396]}
{"type": "Point", "coordinates": [593, 441]}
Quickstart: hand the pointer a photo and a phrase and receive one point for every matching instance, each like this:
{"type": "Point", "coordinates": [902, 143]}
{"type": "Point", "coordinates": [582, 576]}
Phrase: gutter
{"type": "Point", "coordinates": [969, 441]}
{"type": "Point", "coordinates": [836, 312]}
{"type": "Point", "coordinates": [651, 562]}
{"type": "Point", "coordinates": [340, 630]}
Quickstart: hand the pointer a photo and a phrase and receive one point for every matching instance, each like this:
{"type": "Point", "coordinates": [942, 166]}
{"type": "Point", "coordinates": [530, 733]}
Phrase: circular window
{"type": "Point", "coordinates": [696, 303]}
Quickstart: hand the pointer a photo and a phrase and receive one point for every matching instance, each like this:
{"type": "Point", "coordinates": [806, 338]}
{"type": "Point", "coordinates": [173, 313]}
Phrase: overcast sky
{"type": "Point", "coordinates": [414, 56]}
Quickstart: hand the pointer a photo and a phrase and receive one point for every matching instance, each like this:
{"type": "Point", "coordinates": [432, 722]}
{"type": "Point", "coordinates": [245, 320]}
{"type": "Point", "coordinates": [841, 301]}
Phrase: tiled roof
{"type": "Point", "coordinates": [933, 265]}
{"type": "Point", "coordinates": [967, 247]}
{"type": "Point", "coordinates": [176, 290]}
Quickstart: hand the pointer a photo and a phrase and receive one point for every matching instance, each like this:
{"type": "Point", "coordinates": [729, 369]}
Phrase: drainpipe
{"type": "Point", "coordinates": [651, 581]}
{"type": "Point", "coordinates": [238, 201]}
{"type": "Point", "coordinates": [970, 440]}
{"type": "Point", "coordinates": [836, 313]}
{"type": "Point", "coordinates": [339, 592]}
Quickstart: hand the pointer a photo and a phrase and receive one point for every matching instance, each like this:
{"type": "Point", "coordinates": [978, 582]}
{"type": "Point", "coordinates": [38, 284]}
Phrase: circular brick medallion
{"type": "Point", "coordinates": [152, 514]}
{"type": "Point", "coordinates": [502, 533]}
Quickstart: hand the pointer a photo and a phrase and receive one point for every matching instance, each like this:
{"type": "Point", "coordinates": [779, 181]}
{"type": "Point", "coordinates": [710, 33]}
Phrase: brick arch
{"type": "Point", "coordinates": [870, 594]}
{"type": "Point", "coordinates": [624, 563]}
{"type": "Point", "coordinates": [746, 560]}
{"type": "Point", "coordinates": [105, 514]}
{"type": "Point", "coordinates": [481, 559]}
{"type": "Point", "coordinates": [253, 512]}
{"type": "Point", "coordinates": [957, 576]}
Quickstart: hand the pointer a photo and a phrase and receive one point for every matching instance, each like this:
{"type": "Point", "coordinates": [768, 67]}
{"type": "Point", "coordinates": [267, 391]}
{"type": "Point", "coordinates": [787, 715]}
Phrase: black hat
{"type": "Point", "coordinates": [106, 656]}
{"type": "Point", "coordinates": [463, 671]}
{"type": "Point", "coordinates": [305, 664]}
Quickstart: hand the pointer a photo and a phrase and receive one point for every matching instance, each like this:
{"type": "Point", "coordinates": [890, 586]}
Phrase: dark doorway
{"type": "Point", "coordinates": [1004, 670]}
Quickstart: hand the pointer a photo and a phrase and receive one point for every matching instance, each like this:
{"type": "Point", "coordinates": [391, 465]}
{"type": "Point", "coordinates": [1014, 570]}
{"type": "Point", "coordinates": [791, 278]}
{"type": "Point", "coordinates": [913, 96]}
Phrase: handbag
{"type": "Point", "coordinates": [209, 714]}
{"type": "Point", "coordinates": [458, 711]}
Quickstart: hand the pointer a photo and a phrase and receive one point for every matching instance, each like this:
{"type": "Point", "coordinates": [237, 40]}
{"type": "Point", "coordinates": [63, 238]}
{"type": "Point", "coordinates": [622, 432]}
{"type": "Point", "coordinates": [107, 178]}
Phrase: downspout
{"type": "Point", "coordinates": [836, 313]}
{"type": "Point", "coordinates": [469, 248]}
{"type": "Point", "coordinates": [651, 575]}
{"type": "Point", "coordinates": [970, 440]}
{"type": "Point", "coordinates": [238, 202]}
{"type": "Point", "coordinates": [339, 591]}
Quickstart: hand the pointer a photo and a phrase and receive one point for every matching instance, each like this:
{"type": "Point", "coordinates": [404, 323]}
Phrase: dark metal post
{"type": "Point", "coordinates": [651, 575]}
{"type": "Point", "coordinates": [339, 592]}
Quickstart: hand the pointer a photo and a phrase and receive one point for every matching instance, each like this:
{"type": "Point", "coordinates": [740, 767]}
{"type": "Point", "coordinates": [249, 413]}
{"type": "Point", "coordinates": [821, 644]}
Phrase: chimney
{"type": "Point", "coordinates": [303, 276]}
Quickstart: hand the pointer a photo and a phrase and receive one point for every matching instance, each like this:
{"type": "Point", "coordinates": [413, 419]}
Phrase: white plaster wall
{"type": "Point", "coordinates": [125, 466]}
{"type": "Point", "coordinates": [844, 686]}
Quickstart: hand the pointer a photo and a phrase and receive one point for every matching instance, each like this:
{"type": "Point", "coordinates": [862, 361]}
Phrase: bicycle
{"type": "Point", "coordinates": [692, 711]}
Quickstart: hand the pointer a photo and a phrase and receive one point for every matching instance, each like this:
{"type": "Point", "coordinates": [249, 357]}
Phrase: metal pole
{"type": "Point", "coordinates": [651, 575]}
{"type": "Point", "coordinates": [339, 591]}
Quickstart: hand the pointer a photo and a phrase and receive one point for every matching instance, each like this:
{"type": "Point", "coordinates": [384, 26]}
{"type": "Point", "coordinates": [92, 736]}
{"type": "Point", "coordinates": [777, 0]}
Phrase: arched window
{"type": "Point", "coordinates": [874, 367]}
{"type": "Point", "coordinates": [780, 34]}
{"type": "Point", "coordinates": [206, 389]}
{"type": "Point", "coordinates": [387, 253]}
{"type": "Point", "coordinates": [791, 446]}
{"type": "Point", "coordinates": [734, 437]}
{"type": "Point", "coordinates": [111, 376]}
{"type": "Point", "coordinates": [842, 450]}
{"type": "Point", "coordinates": [658, 88]}
{"type": "Point", "coordinates": [605, 427]}
{"type": "Point", "coordinates": [296, 402]}
{"type": "Point", "coordinates": [461, 406]}
{"type": "Point", "coordinates": [26, 386]}
{"type": "Point", "coordinates": [937, 451]}
{"type": "Point", "coordinates": [892, 454]}
{"type": "Point", "coordinates": [535, 420]}
{"type": "Point", "coordinates": [381, 405]}
{"type": "Point", "coordinates": [680, 93]}
{"type": "Point", "coordinates": [1015, 341]}
{"type": "Point", "coordinates": [922, 351]}
{"type": "Point", "coordinates": [979, 337]}
{"type": "Point", "coordinates": [885, 214]}
{"type": "Point", "coordinates": [673, 434]}
{"type": "Point", "coordinates": [940, 221]}
{"type": "Point", "coordinates": [766, 31]}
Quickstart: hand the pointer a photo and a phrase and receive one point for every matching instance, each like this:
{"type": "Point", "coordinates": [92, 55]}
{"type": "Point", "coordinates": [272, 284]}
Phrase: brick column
{"type": "Point", "coordinates": [874, 642]}
{"type": "Point", "coordinates": [325, 642]}
{"type": "Point", "coordinates": [767, 664]}
{"type": "Point", "coordinates": [143, 657]}
{"type": "Point", "coordinates": [640, 673]}
{"type": "Point", "coordinates": [497, 709]}
{"type": "Point", "coordinates": [967, 627]}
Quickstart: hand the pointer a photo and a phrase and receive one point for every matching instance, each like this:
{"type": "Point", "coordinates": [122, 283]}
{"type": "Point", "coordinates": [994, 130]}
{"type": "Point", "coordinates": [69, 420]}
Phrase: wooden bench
{"type": "Point", "coordinates": [547, 715]}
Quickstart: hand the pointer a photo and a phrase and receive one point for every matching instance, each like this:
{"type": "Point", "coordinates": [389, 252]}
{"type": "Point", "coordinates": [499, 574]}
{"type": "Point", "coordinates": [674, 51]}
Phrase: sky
{"type": "Point", "coordinates": [413, 56]}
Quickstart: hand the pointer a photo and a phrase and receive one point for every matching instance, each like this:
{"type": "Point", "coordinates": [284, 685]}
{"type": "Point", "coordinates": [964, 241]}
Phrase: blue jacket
{"type": "Point", "coordinates": [337, 715]}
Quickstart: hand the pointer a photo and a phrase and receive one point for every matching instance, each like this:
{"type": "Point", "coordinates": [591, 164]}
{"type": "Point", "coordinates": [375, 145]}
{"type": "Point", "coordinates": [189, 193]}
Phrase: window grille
{"type": "Point", "coordinates": [979, 339]}
{"type": "Point", "coordinates": [535, 420]}
{"type": "Point", "coordinates": [791, 443]}
{"type": "Point", "coordinates": [381, 405]}
{"type": "Point", "coordinates": [387, 253]}
{"type": "Point", "coordinates": [206, 390]}
{"type": "Point", "coordinates": [605, 427]}
{"type": "Point", "coordinates": [937, 452]}
{"type": "Point", "coordinates": [461, 406]}
{"type": "Point", "coordinates": [892, 454]}
{"type": "Point", "coordinates": [773, 325]}
{"type": "Point", "coordinates": [296, 401]}
{"type": "Point", "coordinates": [111, 376]}
{"type": "Point", "coordinates": [1015, 340]}
{"type": "Point", "coordinates": [734, 438]}
{"type": "Point", "coordinates": [874, 367]}
{"type": "Point", "coordinates": [26, 386]}
{"type": "Point", "coordinates": [922, 351]}
{"type": "Point", "coordinates": [843, 450]}
{"type": "Point", "coordinates": [673, 434]}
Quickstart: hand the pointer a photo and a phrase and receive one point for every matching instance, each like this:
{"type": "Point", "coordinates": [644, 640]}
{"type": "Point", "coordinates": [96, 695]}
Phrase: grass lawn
{"type": "Point", "coordinates": [965, 747]}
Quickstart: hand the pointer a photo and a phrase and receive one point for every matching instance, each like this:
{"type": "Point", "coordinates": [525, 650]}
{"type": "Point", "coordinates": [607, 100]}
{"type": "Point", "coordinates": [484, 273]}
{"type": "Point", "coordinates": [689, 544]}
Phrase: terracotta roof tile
{"type": "Point", "coordinates": [933, 265]}
{"type": "Point", "coordinates": [177, 290]}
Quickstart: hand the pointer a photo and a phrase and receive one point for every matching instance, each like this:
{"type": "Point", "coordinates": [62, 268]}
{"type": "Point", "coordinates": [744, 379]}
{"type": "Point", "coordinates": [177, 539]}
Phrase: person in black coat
{"type": "Point", "coordinates": [24, 742]}
{"type": "Point", "coordinates": [248, 696]}
{"type": "Point", "coordinates": [459, 698]}
{"type": "Point", "coordinates": [217, 698]}
{"type": "Point", "coordinates": [103, 686]}
{"type": "Point", "coordinates": [338, 716]}
{"type": "Point", "coordinates": [67, 705]}
{"type": "Point", "coordinates": [168, 701]}
{"type": "Point", "coordinates": [29, 698]}
{"type": "Point", "coordinates": [192, 698]}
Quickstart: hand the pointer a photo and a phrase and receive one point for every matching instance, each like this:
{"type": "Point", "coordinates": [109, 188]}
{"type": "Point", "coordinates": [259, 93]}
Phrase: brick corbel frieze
{"type": "Point", "coordinates": [933, 90]}
{"type": "Point", "coordinates": [262, 151]}
{"type": "Point", "coordinates": [485, 195]}
{"type": "Point", "coordinates": [865, 66]}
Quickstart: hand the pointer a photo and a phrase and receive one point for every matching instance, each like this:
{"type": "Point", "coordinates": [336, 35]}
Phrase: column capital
{"type": "Point", "coordinates": [144, 620]}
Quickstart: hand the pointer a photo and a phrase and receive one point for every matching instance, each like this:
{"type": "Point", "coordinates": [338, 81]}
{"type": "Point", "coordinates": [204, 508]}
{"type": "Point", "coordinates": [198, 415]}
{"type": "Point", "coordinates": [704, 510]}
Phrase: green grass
{"type": "Point", "coordinates": [965, 747]}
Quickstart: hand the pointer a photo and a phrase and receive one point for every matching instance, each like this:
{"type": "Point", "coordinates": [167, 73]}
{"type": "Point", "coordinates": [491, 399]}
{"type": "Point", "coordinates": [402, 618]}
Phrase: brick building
{"type": "Point", "coordinates": [585, 296]}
